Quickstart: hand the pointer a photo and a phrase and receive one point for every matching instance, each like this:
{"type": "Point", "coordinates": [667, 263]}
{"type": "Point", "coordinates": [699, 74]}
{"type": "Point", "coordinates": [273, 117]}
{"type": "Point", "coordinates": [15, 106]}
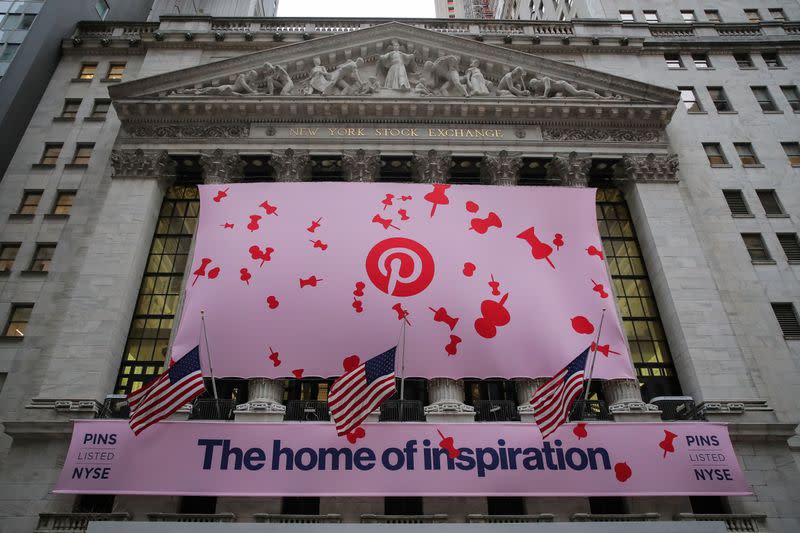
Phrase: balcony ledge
{"type": "Point", "coordinates": [186, 517]}
{"type": "Point", "coordinates": [403, 519]}
{"type": "Point", "coordinates": [298, 518]}
{"type": "Point", "coordinates": [639, 517]}
{"type": "Point", "coordinates": [509, 518]}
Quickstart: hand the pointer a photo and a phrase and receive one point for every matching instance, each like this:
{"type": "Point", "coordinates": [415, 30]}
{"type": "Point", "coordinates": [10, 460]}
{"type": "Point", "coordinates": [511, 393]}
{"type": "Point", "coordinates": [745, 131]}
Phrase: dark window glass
{"type": "Point", "coordinates": [70, 109]}
{"type": "Point", "coordinates": [607, 505]}
{"type": "Point", "coordinates": [743, 60]}
{"type": "Point", "coordinates": [792, 96]}
{"type": "Point", "coordinates": [756, 247]}
{"type": "Point", "coordinates": [787, 319]}
{"type": "Point", "coordinates": [790, 245]}
{"type": "Point", "coordinates": [709, 505]}
{"type": "Point", "coordinates": [772, 60]}
{"type": "Point", "coordinates": [402, 505]}
{"type": "Point", "coordinates": [100, 108]}
{"type": "Point", "coordinates": [299, 505]}
{"type": "Point", "coordinates": [720, 99]}
{"type": "Point", "coordinates": [27, 22]}
{"type": "Point", "coordinates": [198, 505]}
{"type": "Point", "coordinates": [505, 505]}
{"type": "Point", "coordinates": [42, 257]}
{"type": "Point", "coordinates": [764, 99]}
{"type": "Point", "coordinates": [18, 320]}
{"type": "Point", "coordinates": [701, 61]}
{"type": "Point", "coordinates": [769, 200]}
{"type": "Point", "coordinates": [8, 253]}
{"type": "Point", "coordinates": [674, 61]}
{"type": "Point", "coordinates": [94, 503]}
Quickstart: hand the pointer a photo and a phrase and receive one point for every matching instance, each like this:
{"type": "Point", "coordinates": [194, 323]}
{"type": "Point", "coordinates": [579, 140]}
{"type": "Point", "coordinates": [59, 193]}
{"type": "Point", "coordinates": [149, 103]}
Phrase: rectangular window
{"type": "Point", "coordinates": [115, 71]}
{"type": "Point", "coordinates": [101, 6]}
{"type": "Point", "coordinates": [746, 154]}
{"type": "Point", "coordinates": [772, 59]}
{"type": "Point", "coordinates": [673, 61]}
{"type": "Point", "coordinates": [70, 109]}
{"type": "Point", "coordinates": [8, 52]}
{"type": "Point", "coordinates": [787, 320]}
{"type": "Point", "coordinates": [650, 16]}
{"type": "Point", "coordinates": [626, 16]}
{"type": "Point", "coordinates": [42, 257]}
{"type": "Point", "coordinates": [18, 320]}
{"type": "Point", "coordinates": [701, 61]}
{"type": "Point", "coordinates": [51, 153]}
{"type": "Point", "coordinates": [769, 200]}
{"type": "Point", "coordinates": [27, 22]}
{"type": "Point", "coordinates": [777, 14]}
{"type": "Point", "coordinates": [88, 71]}
{"type": "Point", "coordinates": [30, 201]}
{"type": "Point", "coordinates": [752, 15]}
{"type": "Point", "coordinates": [716, 157]}
{"type": "Point", "coordinates": [100, 108]}
{"type": "Point", "coordinates": [792, 152]}
{"type": "Point", "coordinates": [743, 60]}
{"type": "Point", "coordinates": [720, 99]}
{"type": "Point", "coordinates": [83, 152]}
{"type": "Point", "coordinates": [11, 22]}
{"type": "Point", "coordinates": [764, 99]}
{"type": "Point", "coordinates": [689, 99]}
{"type": "Point", "coordinates": [736, 202]}
{"type": "Point", "coordinates": [689, 16]}
{"type": "Point", "coordinates": [63, 204]}
{"type": "Point", "coordinates": [756, 247]}
{"type": "Point", "coordinates": [792, 96]}
{"type": "Point", "coordinates": [712, 15]}
{"type": "Point", "coordinates": [8, 254]}
{"type": "Point", "coordinates": [791, 246]}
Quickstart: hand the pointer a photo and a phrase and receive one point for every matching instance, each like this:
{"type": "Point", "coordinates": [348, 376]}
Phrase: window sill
{"type": "Point", "coordinates": [748, 68]}
{"type": "Point", "coordinates": [42, 166]}
{"type": "Point", "coordinates": [775, 215]}
{"type": "Point", "coordinates": [701, 69]}
{"type": "Point", "coordinates": [55, 216]}
{"type": "Point", "coordinates": [76, 165]}
{"type": "Point", "coordinates": [791, 338]}
{"type": "Point", "coordinates": [109, 80]}
{"type": "Point", "coordinates": [749, 215]}
{"type": "Point", "coordinates": [727, 112]}
{"type": "Point", "coordinates": [776, 112]}
{"type": "Point", "coordinates": [794, 262]}
{"type": "Point", "coordinates": [20, 216]}
{"type": "Point", "coordinates": [34, 273]}
{"type": "Point", "coordinates": [777, 68]}
{"type": "Point", "coordinates": [11, 338]}
{"type": "Point", "coordinates": [677, 68]}
{"type": "Point", "coordinates": [63, 119]}
{"type": "Point", "coordinates": [6, 273]}
{"type": "Point", "coordinates": [763, 262]}
{"type": "Point", "coordinates": [94, 119]}
{"type": "Point", "coordinates": [81, 80]}
{"type": "Point", "coordinates": [697, 112]}
{"type": "Point", "coordinates": [752, 166]}
{"type": "Point", "coordinates": [721, 166]}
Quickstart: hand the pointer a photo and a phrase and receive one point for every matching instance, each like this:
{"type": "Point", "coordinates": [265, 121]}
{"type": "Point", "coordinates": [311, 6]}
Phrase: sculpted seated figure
{"type": "Point", "coordinates": [447, 68]}
{"type": "Point", "coordinates": [345, 78]}
{"type": "Point", "coordinates": [513, 83]}
{"type": "Point", "coordinates": [476, 83]}
{"type": "Point", "coordinates": [244, 84]}
{"type": "Point", "coordinates": [547, 87]}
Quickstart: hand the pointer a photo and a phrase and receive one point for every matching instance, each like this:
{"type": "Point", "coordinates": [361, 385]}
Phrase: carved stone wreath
{"type": "Point", "coordinates": [192, 131]}
{"type": "Point", "coordinates": [601, 135]}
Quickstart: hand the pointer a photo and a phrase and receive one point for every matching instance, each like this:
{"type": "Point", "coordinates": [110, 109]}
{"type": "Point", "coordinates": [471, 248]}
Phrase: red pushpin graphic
{"type": "Point", "coordinates": [539, 250]}
{"type": "Point", "coordinates": [314, 225]}
{"type": "Point", "coordinates": [319, 244]}
{"type": "Point", "coordinates": [402, 314]}
{"type": "Point", "coordinates": [594, 251]}
{"type": "Point", "coordinates": [273, 356]}
{"type": "Point", "coordinates": [604, 349]}
{"type": "Point", "coordinates": [440, 315]}
{"type": "Point", "coordinates": [311, 282]}
{"type": "Point", "coordinates": [437, 196]}
{"type": "Point", "coordinates": [495, 286]}
{"type": "Point", "coordinates": [270, 209]}
{"type": "Point", "coordinates": [387, 201]}
{"type": "Point", "coordinates": [221, 194]}
{"type": "Point", "coordinates": [385, 222]}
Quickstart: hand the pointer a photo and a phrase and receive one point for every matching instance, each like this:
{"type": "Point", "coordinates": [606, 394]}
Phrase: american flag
{"type": "Point", "coordinates": [173, 389]}
{"type": "Point", "coordinates": [357, 393]}
{"type": "Point", "coordinates": [553, 400]}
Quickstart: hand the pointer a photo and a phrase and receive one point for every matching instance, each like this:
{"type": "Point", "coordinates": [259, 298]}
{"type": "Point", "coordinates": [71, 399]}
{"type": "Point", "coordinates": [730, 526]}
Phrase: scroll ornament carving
{"type": "Point", "coordinates": [177, 131]}
{"type": "Point", "coordinates": [431, 166]}
{"type": "Point", "coordinates": [651, 168]}
{"type": "Point", "coordinates": [601, 135]}
{"type": "Point", "coordinates": [571, 170]}
{"type": "Point", "coordinates": [142, 164]}
{"type": "Point", "coordinates": [360, 165]}
{"type": "Point", "coordinates": [221, 166]}
{"type": "Point", "coordinates": [502, 168]}
{"type": "Point", "coordinates": [291, 165]}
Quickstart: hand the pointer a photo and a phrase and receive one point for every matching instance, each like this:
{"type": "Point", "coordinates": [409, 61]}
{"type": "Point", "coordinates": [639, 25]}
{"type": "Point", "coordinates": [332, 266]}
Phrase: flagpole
{"type": "Point", "coordinates": [208, 355]}
{"type": "Point", "coordinates": [402, 359]}
{"type": "Point", "coordinates": [594, 356]}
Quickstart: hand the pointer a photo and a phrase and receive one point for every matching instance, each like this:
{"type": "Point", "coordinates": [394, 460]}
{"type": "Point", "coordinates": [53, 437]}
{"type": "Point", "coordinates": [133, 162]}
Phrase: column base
{"type": "Point", "coordinates": [635, 411]}
{"type": "Point", "coordinates": [259, 411]}
{"type": "Point", "coordinates": [449, 412]}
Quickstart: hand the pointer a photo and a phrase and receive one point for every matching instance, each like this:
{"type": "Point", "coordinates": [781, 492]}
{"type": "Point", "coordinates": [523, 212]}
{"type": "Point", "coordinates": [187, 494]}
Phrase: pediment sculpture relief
{"type": "Point", "coordinates": [396, 74]}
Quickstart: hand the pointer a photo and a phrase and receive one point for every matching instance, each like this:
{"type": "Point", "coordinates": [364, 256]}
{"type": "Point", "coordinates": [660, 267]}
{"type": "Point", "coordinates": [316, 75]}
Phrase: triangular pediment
{"type": "Point", "coordinates": [392, 61]}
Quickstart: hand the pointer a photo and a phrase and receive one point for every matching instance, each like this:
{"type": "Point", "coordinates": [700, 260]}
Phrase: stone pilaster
{"type": "Point", "coordinates": [291, 165]}
{"type": "Point", "coordinates": [263, 402]}
{"type": "Point", "coordinates": [431, 166]}
{"type": "Point", "coordinates": [138, 163]}
{"type": "Point", "coordinates": [501, 168]}
{"type": "Point", "coordinates": [361, 165]}
{"type": "Point", "coordinates": [447, 402]}
{"type": "Point", "coordinates": [624, 399]}
{"type": "Point", "coordinates": [651, 168]}
{"type": "Point", "coordinates": [526, 388]}
{"type": "Point", "coordinates": [221, 166]}
{"type": "Point", "coordinates": [571, 170]}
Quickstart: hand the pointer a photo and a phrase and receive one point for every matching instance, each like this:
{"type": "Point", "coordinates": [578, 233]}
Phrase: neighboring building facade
{"type": "Point", "coordinates": [469, 9]}
{"type": "Point", "coordinates": [30, 46]}
{"type": "Point", "coordinates": [690, 133]}
{"type": "Point", "coordinates": [214, 8]}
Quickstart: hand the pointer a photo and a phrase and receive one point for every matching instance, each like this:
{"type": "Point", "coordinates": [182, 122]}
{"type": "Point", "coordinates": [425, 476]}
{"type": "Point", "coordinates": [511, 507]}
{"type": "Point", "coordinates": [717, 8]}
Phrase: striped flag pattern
{"type": "Point", "coordinates": [552, 401]}
{"type": "Point", "coordinates": [161, 397]}
{"type": "Point", "coordinates": [357, 393]}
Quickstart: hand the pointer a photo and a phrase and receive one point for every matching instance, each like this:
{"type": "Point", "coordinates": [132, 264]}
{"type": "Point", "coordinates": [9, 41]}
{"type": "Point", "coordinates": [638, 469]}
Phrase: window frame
{"type": "Point", "coordinates": [47, 157]}
{"type": "Point", "coordinates": [77, 157]}
{"type": "Point", "coordinates": [693, 106]}
{"type": "Point", "coordinates": [692, 16]}
{"type": "Point", "coordinates": [765, 99]}
{"type": "Point", "coordinates": [63, 193]}
{"type": "Point", "coordinates": [794, 155]}
{"type": "Point", "coordinates": [674, 59]}
{"type": "Point", "coordinates": [66, 112]}
{"type": "Point", "coordinates": [750, 154]}
{"type": "Point", "coordinates": [712, 15]}
{"type": "Point", "coordinates": [15, 307]}
{"type": "Point", "coordinates": [721, 99]}
{"type": "Point", "coordinates": [623, 13]}
{"type": "Point", "coordinates": [752, 15]}
{"type": "Point", "coordinates": [720, 154]}
{"type": "Point", "coordinates": [7, 263]}
{"type": "Point", "coordinates": [783, 237]}
{"type": "Point", "coordinates": [749, 64]}
{"type": "Point", "coordinates": [23, 204]}
{"type": "Point", "coordinates": [793, 308]}
{"type": "Point", "coordinates": [778, 62]}
{"type": "Point", "coordinates": [794, 101]}
{"type": "Point", "coordinates": [728, 194]}
{"type": "Point", "coordinates": [781, 14]}
{"type": "Point", "coordinates": [112, 74]}
{"type": "Point", "coordinates": [95, 115]}
{"type": "Point", "coordinates": [652, 13]}
{"type": "Point", "coordinates": [757, 248]}
{"type": "Point", "coordinates": [772, 195]}
{"type": "Point", "coordinates": [701, 58]}
{"type": "Point", "coordinates": [41, 265]}
{"type": "Point", "coordinates": [86, 75]}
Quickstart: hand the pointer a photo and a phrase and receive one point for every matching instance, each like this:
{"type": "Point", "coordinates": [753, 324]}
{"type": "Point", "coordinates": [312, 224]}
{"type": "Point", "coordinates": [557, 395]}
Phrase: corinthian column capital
{"type": "Point", "coordinates": [140, 163]}
{"type": "Point", "coordinates": [571, 170]}
{"type": "Point", "coordinates": [361, 165]}
{"type": "Point", "coordinates": [651, 168]}
{"type": "Point", "coordinates": [431, 166]}
{"type": "Point", "coordinates": [291, 165]}
{"type": "Point", "coordinates": [221, 166]}
{"type": "Point", "coordinates": [501, 168]}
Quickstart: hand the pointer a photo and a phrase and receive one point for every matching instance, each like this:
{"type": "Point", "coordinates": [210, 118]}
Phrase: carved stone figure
{"type": "Point", "coordinates": [372, 86]}
{"type": "Point", "coordinates": [274, 79]}
{"type": "Point", "coordinates": [513, 83]}
{"type": "Point", "coordinates": [318, 79]}
{"type": "Point", "coordinates": [284, 80]}
{"type": "Point", "coordinates": [142, 164]}
{"type": "Point", "coordinates": [345, 78]}
{"type": "Point", "coordinates": [476, 83]}
{"type": "Point", "coordinates": [447, 68]}
{"type": "Point", "coordinates": [550, 87]}
{"type": "Point", "coordinates": [245, 83]}
{"type": "Point", "coordinates": [395, 62]}
{"type": "Point", "coordinates": [427, 80]}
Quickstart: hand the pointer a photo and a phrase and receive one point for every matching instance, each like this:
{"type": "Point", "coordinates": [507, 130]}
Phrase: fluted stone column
{"type": "Point", "coordinates": [221, 166]}
{"type": "Point", "coordinates": [291, 165]}
{"type": "Point", "coordinates": [501, 168]}
{"type": "Point", "coordinates": [526, 388]}
{"type": "Point", "coordinates": [431, 166]}
{"type": "Point", "coordinates": [263, 402]}
{"type": "Point", "coordinates": [447, 402]}
{"type": "Point", "coordinates": [361, 165]}
{"type": "Point", "coordinates": [624, 399]}
{"type": "Point", "coordinates": [571, 170]}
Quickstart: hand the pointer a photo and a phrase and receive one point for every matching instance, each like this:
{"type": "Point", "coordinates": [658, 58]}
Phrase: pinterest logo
{"type": "Point", "coordinates": [400, 266]}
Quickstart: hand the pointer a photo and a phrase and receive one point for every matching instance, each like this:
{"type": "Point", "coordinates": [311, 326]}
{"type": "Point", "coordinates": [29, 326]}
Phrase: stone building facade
{"type": "Point", "coordinates": [690, 134]}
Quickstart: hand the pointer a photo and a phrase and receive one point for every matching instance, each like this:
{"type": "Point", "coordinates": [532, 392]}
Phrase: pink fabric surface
{"type": "Point", "coordinates": [268, 285]}
{"type": "Point", "coordinates": [630, 460]}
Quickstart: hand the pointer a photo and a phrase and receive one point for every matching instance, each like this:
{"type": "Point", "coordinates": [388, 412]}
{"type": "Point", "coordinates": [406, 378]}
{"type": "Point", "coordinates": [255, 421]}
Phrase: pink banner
{"type": "Point", "coordinates": [489, 281]}
{"type": "Point", "coordinates": [306, 459]}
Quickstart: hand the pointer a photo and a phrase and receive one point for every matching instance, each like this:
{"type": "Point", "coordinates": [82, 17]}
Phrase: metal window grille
{"type": "Point", "coordinates": [791, 246]}
{"type": "Point", "coordinates": [764, 99]}
{"type": "Point", "coordinates": [787, 320]}
{"type": "Point", "coordinates": [754, 243]}
{"type": "Point", "coordinates": [736, 202]}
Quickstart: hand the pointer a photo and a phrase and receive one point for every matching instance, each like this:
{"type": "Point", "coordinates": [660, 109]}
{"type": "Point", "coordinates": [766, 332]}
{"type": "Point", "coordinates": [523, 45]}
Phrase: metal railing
{"type": "Point", "coordinates": [190, 517]}
{"type": "Point", "coordinates": [402, 411]}
{"type": "Point", "coordinates": [496, 411]}
{"type": "Point", "coordinates": [677, 408]}
{"type": "Point", "coordinates": [307, 411]}
{"type": "Point", "coordinates": [298, 518]}
{"type": "Point", "coordinates": [509, 518]}
{"type": "Point", "coordinates": [211, 409]}
{"type": "Point", "coordinates": [403, 519]}
{"type": "Point", "coordinates": [746, 522]}
{"type": "Point", "coordinates": [114, 406]}
{"type": "Point", "coordinates": [634, 517]}
{"type": "Point", "coordinates": [75, 522]}
{"type": "Point", "coordinates": [589, 410]}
